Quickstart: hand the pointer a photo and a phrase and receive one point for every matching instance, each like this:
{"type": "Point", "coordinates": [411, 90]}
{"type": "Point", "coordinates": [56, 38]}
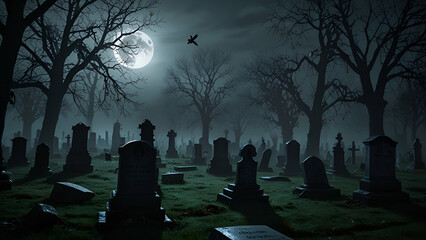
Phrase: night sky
{"type": "Point", "coordinates": [240, 28]}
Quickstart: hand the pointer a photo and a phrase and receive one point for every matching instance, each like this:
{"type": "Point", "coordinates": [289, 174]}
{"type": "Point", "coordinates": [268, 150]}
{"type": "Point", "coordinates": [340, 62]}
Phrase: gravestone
{"type": "Point", "coordinates": [41, 162]}
{"type": "Point", "coordinates": [316, 183]}
{"type": "Point", "coordinates": [78, 158]}
{"type": "Point", "coordinates": [172, 178]}
{"type": "Point", "coordinates": [135, 198]}
{"type": "Point", "coordinates": [171, 151]}
{"type": "Point", "coordinates": [280, 161]}
{"type": "Point", "coordinates": [66, 192]}
{"type": "Point", "coordinates": [353, 150]}
{"type": "Point", "coordinates": [5, 180]}
{"type": "Point", "coordinates": [252, 232]}
{"type": "Point", "coordinates": [108, 157]}
{"type": "Point", "coordinates": [147, 135]}
{"type": "Point", "coordinates": [417, 149]}
{"type": "Point", "coordinates": [92, 142]}
{"type": "Point", "coordinates": [245, 190]}
{"type": "Point", "coordinates": [189, 148]}
{"type": "Point", "coordinates": [264, 163]}
{"type": "Point", "coordinates": [379, 185]}
{"type": "Point", "coordinates": [292, 167]}
{"type": "Point", "coordinates": [339, 167]}
{"type": "Point", "coordinates": [116, 138]}
{"type": "Point", "coordinates": [18, 156]}
{"type": "Point", "coordinates": [66, 145]}
{"type": "Point", "coordinates": [197, 158]}
{"type": "Point", "coordinates": [219, 165]}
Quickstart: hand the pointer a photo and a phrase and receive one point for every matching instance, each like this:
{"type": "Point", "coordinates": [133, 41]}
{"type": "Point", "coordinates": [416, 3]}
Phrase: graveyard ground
{"type": "Point", "coordinates": [196, 212]}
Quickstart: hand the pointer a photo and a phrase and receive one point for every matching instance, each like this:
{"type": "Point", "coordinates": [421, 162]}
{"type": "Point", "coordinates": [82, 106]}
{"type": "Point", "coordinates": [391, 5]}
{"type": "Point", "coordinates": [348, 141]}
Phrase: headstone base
{"type": "Point", "coordinates": [185, 168]}
{"type": "Point", "coordinates": [38, 172]}
{"type": "Point", "coordinates": [326, 193]}
{"type": "Point", "coordinates": [172, 178]}
{"type": "Point", "coordinates": [172, 154]}
{"type": "Point", "coordinates": [77, 169]}
{"type": "Point", "coordinates": [122, 210]}
{"type": "Point", "coordinates": [380, 198]}
{"type": "Point", "coordinates": [234, 197]}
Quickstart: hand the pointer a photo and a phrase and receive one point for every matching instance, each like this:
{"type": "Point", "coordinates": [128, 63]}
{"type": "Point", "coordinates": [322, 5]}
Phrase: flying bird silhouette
{"type": "Point", "coordinates": [192, 39]}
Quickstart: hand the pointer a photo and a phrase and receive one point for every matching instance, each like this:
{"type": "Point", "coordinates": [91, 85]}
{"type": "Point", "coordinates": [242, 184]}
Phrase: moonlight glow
{"type": "Point", "coordinates": [139, 55]}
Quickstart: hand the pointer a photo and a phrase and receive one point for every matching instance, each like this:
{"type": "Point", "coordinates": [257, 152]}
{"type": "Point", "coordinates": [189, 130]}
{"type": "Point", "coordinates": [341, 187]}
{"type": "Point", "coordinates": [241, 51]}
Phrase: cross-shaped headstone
{"type": "Point", "coordinates": [68, 139]}
{"type": "Point", "coordinates": [353, 149]}
{"type": "Point", "coordinates": [339, 138]}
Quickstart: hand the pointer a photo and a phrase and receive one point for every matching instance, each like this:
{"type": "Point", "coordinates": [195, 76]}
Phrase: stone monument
{"type": "Point", "coordinates": [339, 167]}
{"type": "Point", "coordinates": [18, 156]}
{"type": "Point", "coordinates": [220, 165]}
{"type": "Point", "coordinates": [292, 167]}
{"type": "Point", "coordinates": [41, 162]}
{"type": "Point", "coordinates": [198, 158]}
{"type": "Point", "coordinates": [78, 158]}
{"type": "Point", "coordinates": [171, 151]}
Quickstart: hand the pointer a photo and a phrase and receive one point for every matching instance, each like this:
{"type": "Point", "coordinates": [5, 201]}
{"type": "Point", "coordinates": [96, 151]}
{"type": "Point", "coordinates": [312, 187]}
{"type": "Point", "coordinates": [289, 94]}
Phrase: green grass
{"type": "Point", "coordinates": [196, 212]}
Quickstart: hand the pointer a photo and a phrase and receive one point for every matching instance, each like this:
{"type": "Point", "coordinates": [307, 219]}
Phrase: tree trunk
{"type": "Point", "coordinates": [314, 135]}
{"type": "Point", "coordinates": [376, 109]}
{"type": "Point", "coordinates": [205, 121]}
{"type": "Point", "coordinates": [237, 138]}
{"type": "Point", "coordinates": [51, 116]}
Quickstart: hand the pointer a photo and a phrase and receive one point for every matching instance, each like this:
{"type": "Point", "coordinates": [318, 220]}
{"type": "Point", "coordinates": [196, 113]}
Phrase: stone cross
{"type": "Point", "coordinates": [171, 151]}
{"type": "Point", "coordinates": [353, 149]}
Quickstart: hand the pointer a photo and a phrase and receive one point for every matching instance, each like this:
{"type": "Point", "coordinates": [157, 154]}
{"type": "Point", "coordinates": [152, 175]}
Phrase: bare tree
{"type": "Point", "coordinates": [204, 81]}
{"type": "Point", "coordinates": [28, 108]}
{"type": "Point", "coordinates": [238, 120]}
{"type": "Point", "coordinates": [12, 28]}
{"type": "Point", "coordinates": [269, 78]}
{"type": "Point", "coordinates": [376, 41]}
{"type": "Point", "coordinates": [303, 21]}
{"type": "Point", "coordinates": [79, 34]}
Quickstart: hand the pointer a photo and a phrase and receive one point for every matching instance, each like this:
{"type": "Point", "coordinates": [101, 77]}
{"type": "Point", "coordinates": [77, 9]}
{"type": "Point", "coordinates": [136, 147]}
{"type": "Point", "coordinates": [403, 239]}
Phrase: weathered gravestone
{"type": "Point", "coordinates": [197, 158]}
{"type": "Point", "coordinates": [292, 167]}
{"type": "Point", "coordinates": [339, 167]}
{"type": "Point", "coordinates": [41, 162]}
{"type": "Point", "coordinates": [92, 142]}
{"type": "Point", "coordinates": [135, 198]}
{"type": "Point", "coordinates": [353, 150]}
{"type": "Point", "coordinates": [18, 157]}
{"type": "Point", "coordinates": [41, 216]}
{"type": "Point", "coordinates": [245, 190]}
{"type": "Point", "coordinates": [172, 178]}
{"type": "Point", "coordinates": [5, 180]}
{"type": "Point", "coordinates": [78, 158]}
{"type": "Point", "coordinates": [316, 183]}
{"type": "Point", "coordinates": [107, 157]}
{"type": "Point", "coordinates": [264, 162]}
{"type": "Point", "coordinates": [417, 149]}
{"type": "Point", "coordinates": [116, 138]}
{"type": "Point", "coordinates": [252, 232]}
{"type": "Point", "coordinates": [171, 151]}
{"type": "Point", "coordinates": [66, 192]}
{"type": "Point", "coordinates": [66, 145]}
{"type": "Point", "coordinates": [220, 165]}
{"type": "Point", "coordinates": [147, 135]}
{"type": "Point", "coordinates": [280, 161]}
{"type": "Point", "coordinates": [379, 185]}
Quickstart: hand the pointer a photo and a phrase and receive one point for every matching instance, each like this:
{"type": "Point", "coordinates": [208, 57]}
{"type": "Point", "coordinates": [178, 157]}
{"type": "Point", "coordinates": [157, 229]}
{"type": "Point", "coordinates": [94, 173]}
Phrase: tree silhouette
{"type": "Point", "coordinates": [204, 81]}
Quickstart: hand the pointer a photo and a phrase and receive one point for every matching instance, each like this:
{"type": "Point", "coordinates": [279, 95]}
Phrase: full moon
{"type": "Point", "coordinates": [139, 54]}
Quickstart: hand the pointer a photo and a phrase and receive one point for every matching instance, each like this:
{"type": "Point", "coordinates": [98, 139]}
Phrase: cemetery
{"type": "Point", "coordinates": [212, 120]}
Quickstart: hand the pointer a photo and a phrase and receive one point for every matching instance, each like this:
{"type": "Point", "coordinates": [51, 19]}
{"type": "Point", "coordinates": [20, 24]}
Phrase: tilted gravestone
{"type": "Point", "coordinates": [245, 190]}
{"type": "Point", "coordinates": [66, 192]}
{"type": "Point", "coordinates": [252, 232]}
{"type": "Point", "coordinates": [292, 167]}
{"type": "Point", "coordinates": [135, 198]}
{"type": "Point", "coordinates": [198, 158]}
{"type": "Point", "coordinates": [78, 158]}
{"type": "Point", "coordinates": [220, 165]}
{"type": "Point", "coordinates": [18, 156]}
{"type": "Point", "coordinates": [379, 185]}
{"type": "Point", "coordinates": [41, 162]}
{"type": "Point", "coordinates": [316, 183]}
{"type": "Point", "coordinates": [116, 138]}
{"type": "Point", "coordinates": [264, 162]}
{"type": "Point", "coordinates": [339, 167]}
{"type": "Point", "coordinates": [417, 149]}
{"type": "Point", "coordinates": [171, 151]}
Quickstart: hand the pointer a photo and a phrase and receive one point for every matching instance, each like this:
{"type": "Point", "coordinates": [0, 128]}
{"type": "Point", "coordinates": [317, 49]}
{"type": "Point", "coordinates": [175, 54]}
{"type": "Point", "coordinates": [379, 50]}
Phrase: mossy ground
{"type": "Point", "coordinates": [196, 212]}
